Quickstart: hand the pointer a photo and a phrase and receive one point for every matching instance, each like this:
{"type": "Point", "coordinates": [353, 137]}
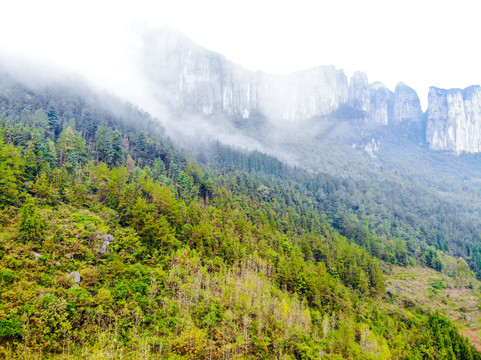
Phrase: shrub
{"type": "Point", "coordinates": [10, 329]}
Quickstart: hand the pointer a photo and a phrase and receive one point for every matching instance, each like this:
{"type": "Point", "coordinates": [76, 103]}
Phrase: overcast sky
{"type": "Point", "coordinates": [420, 43]}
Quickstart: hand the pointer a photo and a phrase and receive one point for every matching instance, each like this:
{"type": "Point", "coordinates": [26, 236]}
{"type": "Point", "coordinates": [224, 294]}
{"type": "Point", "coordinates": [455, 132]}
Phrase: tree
{"type": "Point", "coordinates": [31, 226]}
{"type": "Point", "coordinates": [66, 145]}
{"type": "Point", "coordinates": [53, 119]}
{"type": "Point", "coordinates": [11, 174]}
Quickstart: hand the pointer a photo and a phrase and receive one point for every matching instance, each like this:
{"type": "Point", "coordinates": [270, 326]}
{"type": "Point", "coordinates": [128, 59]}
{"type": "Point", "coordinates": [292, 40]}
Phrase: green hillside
{"type": "Point", "coordinates": [115, 244]}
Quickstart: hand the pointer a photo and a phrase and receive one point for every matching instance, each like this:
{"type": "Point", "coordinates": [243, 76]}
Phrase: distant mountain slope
{"type": "Point", "coordinates": [114, 244]}
{"type": "Point", "coordinates": [194, 81]}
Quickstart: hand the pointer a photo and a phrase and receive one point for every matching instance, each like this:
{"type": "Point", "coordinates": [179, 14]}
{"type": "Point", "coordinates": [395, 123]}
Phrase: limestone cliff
{"type": "Point", "coordinates": [192, 79]}
{"type": "Point", "coordinates": [454, 120]}
{"type": "Point", "coordinates": [382, 100]}
{"type": "Point", "coordinates": [407, 107]}
{"type": "Point", "coordinates": [199, 80]}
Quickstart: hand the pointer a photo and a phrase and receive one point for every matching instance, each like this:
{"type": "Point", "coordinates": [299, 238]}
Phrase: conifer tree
{"type": "Point", "coordinates": [31, 227]}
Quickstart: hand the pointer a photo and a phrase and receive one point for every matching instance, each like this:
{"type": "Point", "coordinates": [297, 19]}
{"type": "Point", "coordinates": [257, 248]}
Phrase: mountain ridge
{"type": "Point", "coordinates": [192, 78]}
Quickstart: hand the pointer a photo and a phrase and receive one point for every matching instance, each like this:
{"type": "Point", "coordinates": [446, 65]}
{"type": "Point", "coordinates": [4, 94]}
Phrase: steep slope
{"type": "Point", "coordinates": [114, 244]}
{"type": "Point", "coordinates": [454, 120]}
{"type": "Point", "coordinates": [196, 82]}
{"type": "Point", "coordinates": [194, 79]}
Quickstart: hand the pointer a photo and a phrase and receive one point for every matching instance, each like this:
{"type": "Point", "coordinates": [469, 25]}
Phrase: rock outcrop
{"type": "Point", "coordinates": [193, 80]}
{"type": "Point", "coordinates": [407, 107]}
{"type": "Point", "coordinates": [359, 92]}
{"type": "Point", "coordinates": [197, 80]}
{"type": "Point", "coordinates": [75, 278]}
{"type": "Point", "coordinates": [382, 101]}
{"type": "Point", "coordinates": [103, 242]}
{"type": "Point", "coordinates": [454, 120]}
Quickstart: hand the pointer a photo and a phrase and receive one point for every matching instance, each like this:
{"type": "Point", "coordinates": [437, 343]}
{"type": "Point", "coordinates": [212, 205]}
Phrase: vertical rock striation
{"type": "Point", "coordinates": [382, 100]}
{"type": "Point", "coordinates": [407, 107]}
{"type": "Point", "coordinates": [201, 81]}
{"type": "Point", "coordinates": [359, 94]}
{"type": "Point", "coordinates": [454, 120]}
{"type": "Point", "coordinates": [198, 80]}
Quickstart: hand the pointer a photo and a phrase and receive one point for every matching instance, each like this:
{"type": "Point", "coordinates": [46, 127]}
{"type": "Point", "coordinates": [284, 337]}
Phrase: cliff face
{"type": "Point", "coordinates": [192, 79]}
{"type": "Point", "coordinates": [407, 107]}
{"type": "Point", "coordinates": [359, 94]}
{"type": "Point", "coordinates": [381, 104]}
{"type": "Point", "coordinates": [198, 80]}
{"type": "Point", "coordinates": [454, 120]}
{"type": "Point", "coordinates": [375, 100]}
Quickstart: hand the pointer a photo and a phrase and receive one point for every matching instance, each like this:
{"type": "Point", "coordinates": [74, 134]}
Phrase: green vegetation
{"type": "Point", "coordinates": [113, 244]}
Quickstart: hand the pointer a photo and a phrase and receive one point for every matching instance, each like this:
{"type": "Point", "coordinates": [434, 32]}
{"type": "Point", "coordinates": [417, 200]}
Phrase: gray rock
{"type": "Point", "coordinates": [37, 255]}
{"type": "Point", "coordinates": [75, 277]}
{"type": "Point", "coordinates": [103, 242]}
{"type": "Point", "coordinates": [467, 318]}
{"type": "Point", "coordinates": [201, 81]}
{"type": "Point", "coordinates": [359, 94]}
{"type": "Point", "coordinates": [407, 107]}
{"type": "Point", "coordinates": [454, 120]}
{"type": "Point", "coordinates": [382, 101]}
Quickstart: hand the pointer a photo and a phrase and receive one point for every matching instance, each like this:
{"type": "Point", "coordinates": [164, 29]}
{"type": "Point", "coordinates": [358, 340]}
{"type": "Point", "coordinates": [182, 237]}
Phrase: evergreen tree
{"type": "Point", "coordinates": [31, 226]}
{"type": "Point", "coordinates": [53, 120]}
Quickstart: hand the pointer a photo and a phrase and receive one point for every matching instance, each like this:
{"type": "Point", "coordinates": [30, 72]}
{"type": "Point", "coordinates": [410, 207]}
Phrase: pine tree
{"type": "Point", "coordinates": [53, 120]}
{"type": "Point", "coordinates": [31, 227]}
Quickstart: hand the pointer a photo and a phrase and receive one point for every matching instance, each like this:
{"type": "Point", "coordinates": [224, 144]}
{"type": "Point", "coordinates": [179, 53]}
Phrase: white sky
{"type": "Point", "coordinates": [418, 42]}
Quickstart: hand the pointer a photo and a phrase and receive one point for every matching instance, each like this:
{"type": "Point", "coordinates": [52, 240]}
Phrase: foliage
{"type": "Point", "coordinates": [177, 260]}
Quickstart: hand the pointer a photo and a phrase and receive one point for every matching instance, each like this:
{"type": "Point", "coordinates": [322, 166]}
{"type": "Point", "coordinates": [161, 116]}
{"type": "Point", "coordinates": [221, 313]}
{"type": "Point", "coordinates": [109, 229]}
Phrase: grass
{"type": "Point", "coordinates": [432, 290]}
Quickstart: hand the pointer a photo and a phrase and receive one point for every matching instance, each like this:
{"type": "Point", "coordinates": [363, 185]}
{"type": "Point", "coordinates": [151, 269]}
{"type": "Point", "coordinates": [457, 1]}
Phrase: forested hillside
{"type": "Point", "coordinates": [116, 244]}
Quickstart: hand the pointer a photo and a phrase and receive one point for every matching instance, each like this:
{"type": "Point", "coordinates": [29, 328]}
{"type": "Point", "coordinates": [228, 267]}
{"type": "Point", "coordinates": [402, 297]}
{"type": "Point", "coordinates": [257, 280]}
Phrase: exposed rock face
{"type": "Point", "coordinates": [193, 80]}
{"type": "Point", "coordinates": [103, 242]}
{"type": "Point", "coordinates": [202, 81]}
{"type": "Point", "coordinates": [372, 147]}
{"type": "Point", "coordinates": [454, 120]}
{"type": "Point", "coordinates": [381, 104]}
{"type": "Point", "coordinates": [359, 93]}
{"type": "Point", "coordinates": [75, 277]}
{"type": "Point", "coordinates": [407, 107]}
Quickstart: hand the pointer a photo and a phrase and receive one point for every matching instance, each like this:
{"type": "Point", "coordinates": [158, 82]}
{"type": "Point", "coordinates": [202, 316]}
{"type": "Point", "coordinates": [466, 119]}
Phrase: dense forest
{"type": "Point", "coordinates": [114, 243]}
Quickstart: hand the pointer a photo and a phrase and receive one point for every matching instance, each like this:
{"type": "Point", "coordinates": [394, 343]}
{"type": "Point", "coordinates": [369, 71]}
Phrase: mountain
{"type": "Point", "coordinates": [193, 81]}
{"type": "Point", "coordinates": [454, 120]}
{"type": "Point", "coordinates": [116, 244]}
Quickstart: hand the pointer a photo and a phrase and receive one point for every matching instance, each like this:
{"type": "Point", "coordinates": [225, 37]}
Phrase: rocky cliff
{"type": "Point", "coordinates": [198, 80]}
{"type": "Point", "coordinates": [192, 79]}
{"type": "Point", "coordinates": [454, 120]}
{"type": "Point", "coordinates": [407, 107]}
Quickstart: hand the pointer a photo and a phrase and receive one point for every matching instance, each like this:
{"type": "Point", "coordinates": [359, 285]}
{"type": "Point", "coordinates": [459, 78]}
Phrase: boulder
{"type": "Point", "coordinates": [75, 277]}
{"type": "Point", "coordinates": [103, 242]}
